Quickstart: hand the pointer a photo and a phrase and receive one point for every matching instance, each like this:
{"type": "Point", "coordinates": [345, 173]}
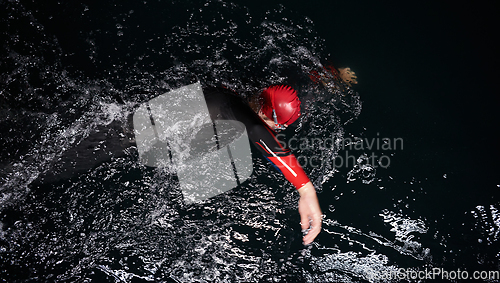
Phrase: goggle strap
{"type": "Point", "coordinates": [275, 117]}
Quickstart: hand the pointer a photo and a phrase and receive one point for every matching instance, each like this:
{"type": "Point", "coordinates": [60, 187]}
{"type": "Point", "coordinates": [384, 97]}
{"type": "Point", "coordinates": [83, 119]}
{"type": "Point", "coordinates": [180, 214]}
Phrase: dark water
{"type": "Point", "coordinates": [76, 206]}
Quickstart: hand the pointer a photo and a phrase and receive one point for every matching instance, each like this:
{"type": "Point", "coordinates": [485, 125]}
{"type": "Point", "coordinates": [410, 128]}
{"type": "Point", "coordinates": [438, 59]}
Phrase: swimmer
{"type": "Point", "coordinates": [276, 108]}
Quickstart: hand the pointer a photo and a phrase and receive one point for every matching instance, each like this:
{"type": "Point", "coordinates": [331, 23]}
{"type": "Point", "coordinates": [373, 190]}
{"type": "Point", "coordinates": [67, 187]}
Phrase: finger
{"type": "Point", "coordinates": [304, 222]}
{"type": "Point", "coordinates": [311, 235]}
{"type": "Point", "coordinates": [306, 241]}
{"type": "Point", "coordinates": [315, 230]}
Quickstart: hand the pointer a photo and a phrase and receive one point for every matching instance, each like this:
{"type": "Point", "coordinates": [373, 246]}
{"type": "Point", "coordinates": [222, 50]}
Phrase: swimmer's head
{"type": "Point", "coordinates": [280, 106]}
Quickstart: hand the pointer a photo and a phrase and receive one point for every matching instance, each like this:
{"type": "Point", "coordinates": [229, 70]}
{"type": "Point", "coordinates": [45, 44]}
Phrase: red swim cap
{"type": "Point", "coordinates": [283, 99]}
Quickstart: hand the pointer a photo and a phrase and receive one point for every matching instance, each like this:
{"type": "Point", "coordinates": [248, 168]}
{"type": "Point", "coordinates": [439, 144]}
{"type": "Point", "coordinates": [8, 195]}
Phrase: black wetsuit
{"type": "Point", "coordinates": [224, 104]}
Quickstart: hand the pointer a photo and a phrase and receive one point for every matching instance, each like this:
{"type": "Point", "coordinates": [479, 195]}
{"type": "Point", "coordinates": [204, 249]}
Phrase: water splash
{"type": "Point", "coordinates": [488, 222]}
{"type": "Point", "coordinates": [356, 255]}
{"type": "Point", "coordinates": [76, 204]}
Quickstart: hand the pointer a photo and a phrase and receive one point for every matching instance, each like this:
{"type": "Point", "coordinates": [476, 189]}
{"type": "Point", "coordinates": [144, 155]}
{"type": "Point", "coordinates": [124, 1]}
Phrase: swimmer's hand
{"type": "Point", "coordinates": [348, 76]}
{"type": "Point", "coordinates": [310, 212]}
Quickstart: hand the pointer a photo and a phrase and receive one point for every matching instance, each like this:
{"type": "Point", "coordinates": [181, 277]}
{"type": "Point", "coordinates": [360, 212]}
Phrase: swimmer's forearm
{"type": "Point", "coordinates": [310, 212]}
{"type": "Point", "coordinates": [306, 188]}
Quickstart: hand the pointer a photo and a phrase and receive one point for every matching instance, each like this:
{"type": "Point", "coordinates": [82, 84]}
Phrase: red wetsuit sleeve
{"type": "Point", "coordinates": [291, 169]}
{"type": "Point", "coordinates": [281, 157]}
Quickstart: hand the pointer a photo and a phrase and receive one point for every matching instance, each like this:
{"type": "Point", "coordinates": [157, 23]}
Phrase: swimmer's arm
{"type": "Point", "coordinates": [309, 210]}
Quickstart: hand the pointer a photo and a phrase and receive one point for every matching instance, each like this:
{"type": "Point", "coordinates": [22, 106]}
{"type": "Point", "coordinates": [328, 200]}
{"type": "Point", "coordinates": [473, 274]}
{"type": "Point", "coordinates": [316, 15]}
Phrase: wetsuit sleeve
{"type": "Point", "coordinates": [282, 158]}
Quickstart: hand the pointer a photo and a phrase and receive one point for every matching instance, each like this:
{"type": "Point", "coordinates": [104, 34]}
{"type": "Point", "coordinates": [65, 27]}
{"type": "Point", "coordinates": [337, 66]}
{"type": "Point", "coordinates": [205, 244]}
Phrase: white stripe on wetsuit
{"type": "Point", "coordinates": [282, 162]}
